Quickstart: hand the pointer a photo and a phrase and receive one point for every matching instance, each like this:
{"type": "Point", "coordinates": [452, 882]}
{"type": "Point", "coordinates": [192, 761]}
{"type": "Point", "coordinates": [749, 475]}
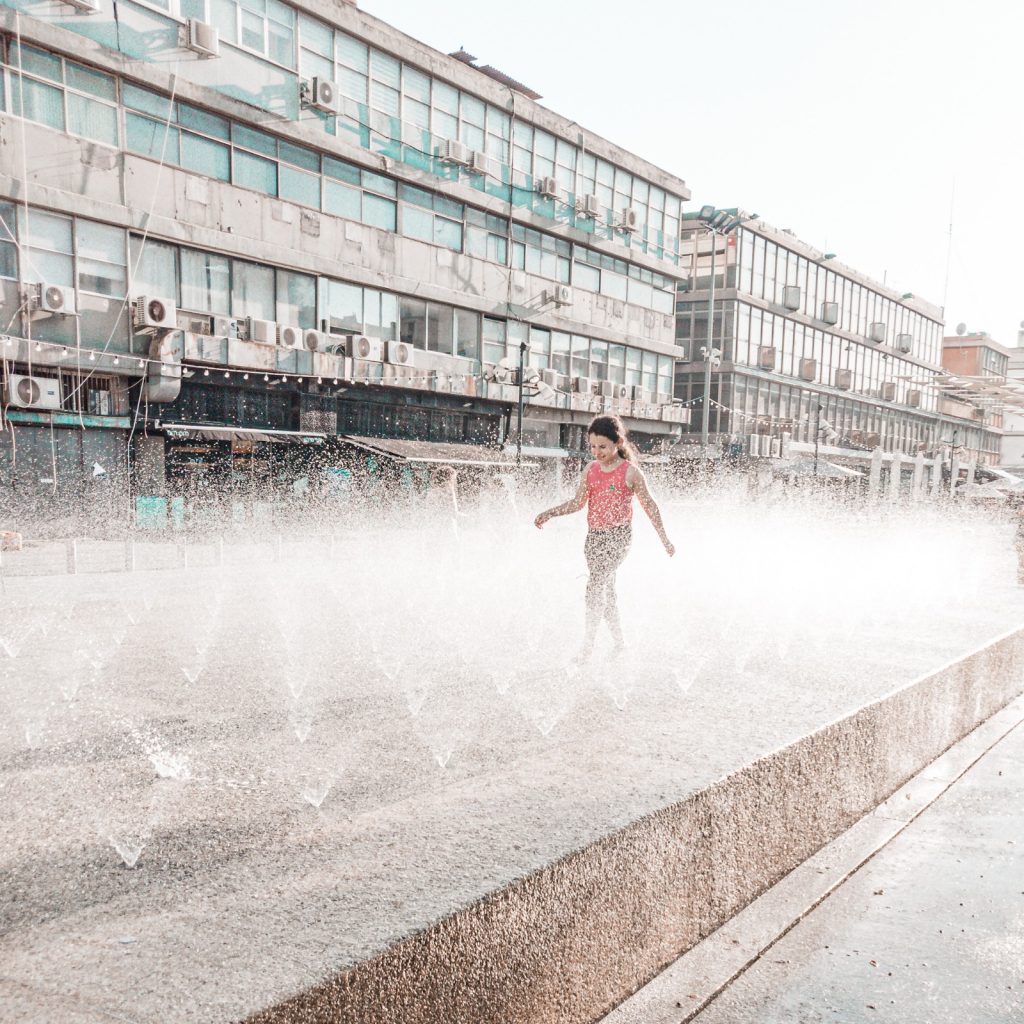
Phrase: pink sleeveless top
{"type": "Point", "coordinates": [609, 500]}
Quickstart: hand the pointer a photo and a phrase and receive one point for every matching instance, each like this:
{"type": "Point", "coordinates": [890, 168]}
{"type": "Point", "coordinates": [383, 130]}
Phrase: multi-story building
{"type": "Point", "coordinates": [810, 349]}
{"type": "Point", "coordinates": [974, 394]}
{"type": "Point", "coordinates": [237, 231]}
{"type": "Point", "coordinates": [1011, 452]}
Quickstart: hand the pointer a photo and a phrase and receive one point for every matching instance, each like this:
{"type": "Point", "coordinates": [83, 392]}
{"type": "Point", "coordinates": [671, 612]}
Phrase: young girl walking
{"type": "Point", "coordinates": [607, 488]}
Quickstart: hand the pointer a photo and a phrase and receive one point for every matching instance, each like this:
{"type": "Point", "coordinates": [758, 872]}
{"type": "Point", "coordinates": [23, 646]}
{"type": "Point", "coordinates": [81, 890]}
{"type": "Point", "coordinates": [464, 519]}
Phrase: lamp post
{"type": "Point", "coordinates": [717, 223]}
{"type": "Point", "coordinates": [519, 405]}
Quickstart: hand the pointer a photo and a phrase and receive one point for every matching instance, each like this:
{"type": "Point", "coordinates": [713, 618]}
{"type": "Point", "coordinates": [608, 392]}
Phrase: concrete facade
{"type": "Point", "coordinates": [421, 199]}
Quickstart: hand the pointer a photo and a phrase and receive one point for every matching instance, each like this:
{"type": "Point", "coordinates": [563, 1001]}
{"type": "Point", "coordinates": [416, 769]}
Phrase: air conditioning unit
{"type": "Point", "coordinates": [766, 358]}
{"type": "Point", "coordinates": [876, 333]}
{"type": "Point", "coordinates": [583, 385]}
{"type": "Point", "coordinates": [315, 341]}
{"type": "Point", "coordinates": [455, 152]}
{"type": "Point", "coordinates": [202, 38]}
{"type": "Point", "coordinates": [629, 220]}
{"type": "Point", "coordinates": [33, 392]}
{"type": "Point", "coordinates": [610, 390]}
{"type": "Point", "coordinates": [662, 399]}
{"type": "Point", "coordinates": [808, 369]}
{"type": "Point", "coordinates": [322, 94]}
{"type": "Point", "coordinates": [263, 331]}
{"type": "Point", "coordinates": [154, 314]}
{"type": "Point", "coordinates": [830, 312]}
{"type": "Point", "coordinates": [905, 342]}
{"type": "Point", "coordinates": [560, 295]}
{"type": "Point", "coordinates": [549, 187]}
{"type": "Point", "coordinates": [400, 353]}
{"type": "Point", "coordinates": [914, 399]}
{"type": "Point", "coordinates": [551, 378]}
{"type": "Point", "coordinates": [225, 327]}
{"type": "Point", "coordinates": [365, 349]}
{"type": "Point", "coordinates": [590, 206]}
{"type": "Point", "coordinates": [480, 162]}
{"type": "Point", "coordinates": [193, 323]}
{"type": "Point", "coordinates": [85, 6]}
{"type": "Point", "coordinates": [48, 299]}
{"type": "Point", "coordinates": [844, 379]}
{"type": "Point", "coordinates": [791, 296]}
{"type": "Point", "coordinates": [289, 337]}
{"type": "Point", "coordinates": [887, 392]}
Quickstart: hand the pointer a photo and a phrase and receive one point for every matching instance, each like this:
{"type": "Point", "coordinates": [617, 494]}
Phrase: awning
{"type": "Point", "coordinates": [435, 453]}
{"type": "Point", "coordinates": [807, 467]}
{"type": "Point", "coordinates": [202, 432]}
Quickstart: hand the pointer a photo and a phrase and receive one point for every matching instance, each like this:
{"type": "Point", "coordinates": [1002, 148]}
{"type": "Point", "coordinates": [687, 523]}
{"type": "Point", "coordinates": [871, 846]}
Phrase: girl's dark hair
{"type": "Point", "coordinates": [615, 431]}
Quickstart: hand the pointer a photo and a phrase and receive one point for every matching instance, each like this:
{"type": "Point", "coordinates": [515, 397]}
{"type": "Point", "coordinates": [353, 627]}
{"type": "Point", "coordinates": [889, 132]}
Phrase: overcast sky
{"type": "Point", "coordinates": [859, 125]}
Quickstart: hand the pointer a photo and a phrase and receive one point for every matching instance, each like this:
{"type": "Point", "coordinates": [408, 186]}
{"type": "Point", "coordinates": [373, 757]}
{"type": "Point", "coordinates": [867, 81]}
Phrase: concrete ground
{"type": "Point", "coordinates": [927, 929]}
{"type": "Point", "coordinates": [220, 785]}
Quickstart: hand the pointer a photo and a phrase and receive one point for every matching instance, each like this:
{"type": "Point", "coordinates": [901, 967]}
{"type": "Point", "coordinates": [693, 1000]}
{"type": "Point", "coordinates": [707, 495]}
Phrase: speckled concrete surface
{"type": "Point", "coordinates": [930, 931]}
{"type": "Point", "coordinates": [481, 833]}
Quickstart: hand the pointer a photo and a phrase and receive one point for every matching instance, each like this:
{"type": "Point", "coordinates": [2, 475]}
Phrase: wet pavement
{"type": "Point", "coordinates": [928, 930]}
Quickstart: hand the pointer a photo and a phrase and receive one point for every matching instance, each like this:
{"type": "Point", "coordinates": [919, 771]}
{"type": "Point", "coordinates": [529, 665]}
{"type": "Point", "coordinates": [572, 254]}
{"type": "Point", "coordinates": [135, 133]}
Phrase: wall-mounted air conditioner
{"type": "Point", "coordinates": [629, 219]}
{"type": "Point", "coordinates": [549, 188]}
{"type": "Point", "coordinates": [551, 378]}
{"type": "Point", "coordinates": [844, 379]}
{"type": "Point", "coordinates": [830, 312]}
{"type": "Point", "coordinates": [49, 300]}
{"type": "Point", "coordinates": [808, 369]}
{"type": "Point", "coordinates": [33, 392]}
{"type": "Point", "coordinates": [791, 296]}
{"type": "Point", "coordinates": [876, 333]}
{"type": "Point", "coordinates": [914, 398]}
{"type": "Point", "coordinates": [151, 314]}
{"type": "Point", "coordinates": [400, 353]}
{"type": "Point", "coordinates": [589, 206]}
{"type": "Point", "coordinates": [289, 336]}
{"type": "Point", "coordinates": [202, 38]}
{"type": "Point", "coordinates": [262, 331]}
{"type": "Point", "coordinates": [560, 295]}
{"type": "Point", "coordinates": [905, 342]}
{"type": "Point", "coordinates": [365, 349]}
{"type": "Point", "coordinates": [225, 327]}
{"type": "Point", "coordinates": [315, 341]}
{"type": "Point", "coordinates": [455, 152]}
{"type": "Point", "coordinates": [887, 392]}
{"type": "Point", "coordinates": [610, 390]}
{"type": "Point", "coordinates": [766, 357]}
{"type": "Point", "coordinates": [583, 385]}
{"type": "Point", "coordinates": [480, 162]}
{"type": "Point", "coordinates": [322, 94]}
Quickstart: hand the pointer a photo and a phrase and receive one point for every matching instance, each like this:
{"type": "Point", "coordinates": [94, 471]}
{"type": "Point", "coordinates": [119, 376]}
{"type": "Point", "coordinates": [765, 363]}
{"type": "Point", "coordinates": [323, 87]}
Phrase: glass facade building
{"type": "Point", "coordinates": [306, 166]}
{"type": "Point", "coordinates": [808, 347]}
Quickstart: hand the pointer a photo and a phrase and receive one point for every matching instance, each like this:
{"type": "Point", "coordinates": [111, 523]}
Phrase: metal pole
{"type": "Point", "coordinates": [519, 409]}
{"type": "Point", "coordinates": [817, 435]}
{"type": "Point", "coordinates": [706, 413]}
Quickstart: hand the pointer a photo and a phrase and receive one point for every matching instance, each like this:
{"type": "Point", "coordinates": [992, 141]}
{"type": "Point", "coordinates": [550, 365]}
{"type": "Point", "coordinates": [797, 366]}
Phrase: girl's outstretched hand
{"type": "Point", "coordinates": [541, 520]}
{"type": "Point", "coordinates": [670, 548]}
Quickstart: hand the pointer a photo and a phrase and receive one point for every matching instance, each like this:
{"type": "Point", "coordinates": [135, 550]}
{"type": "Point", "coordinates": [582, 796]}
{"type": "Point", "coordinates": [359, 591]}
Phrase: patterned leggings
{"type": "Point", "coordinates": [605, 551]}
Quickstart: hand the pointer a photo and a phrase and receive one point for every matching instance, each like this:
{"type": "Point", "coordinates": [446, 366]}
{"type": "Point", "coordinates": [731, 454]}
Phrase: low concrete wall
{"type": "Point", "coordinates": [572, 940]}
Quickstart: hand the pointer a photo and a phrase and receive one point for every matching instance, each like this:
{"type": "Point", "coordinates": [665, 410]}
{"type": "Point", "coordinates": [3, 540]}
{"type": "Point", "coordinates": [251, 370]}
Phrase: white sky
{"type": "Point", "coordinates": [855, 124]}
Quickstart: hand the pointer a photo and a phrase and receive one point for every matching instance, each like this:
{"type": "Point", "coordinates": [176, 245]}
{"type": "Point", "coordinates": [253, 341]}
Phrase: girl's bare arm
{"type": "Point", "coordinates": [574, 504]}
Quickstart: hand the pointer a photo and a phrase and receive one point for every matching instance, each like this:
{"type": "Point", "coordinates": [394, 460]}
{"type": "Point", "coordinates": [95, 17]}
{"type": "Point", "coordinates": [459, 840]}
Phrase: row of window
{"type": "Point", "coordinates": [748, 405]}
{"type": "Point", "coordinates": [228, 151]}
{"type": "Point", "coordinates": [765, 270]}
{"type": "Point", "coordinates": [394, 109]}
{"type": "Point", "coordinates": [742, 332]}
{"type": "Point", "coordinates": [104, 265]}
